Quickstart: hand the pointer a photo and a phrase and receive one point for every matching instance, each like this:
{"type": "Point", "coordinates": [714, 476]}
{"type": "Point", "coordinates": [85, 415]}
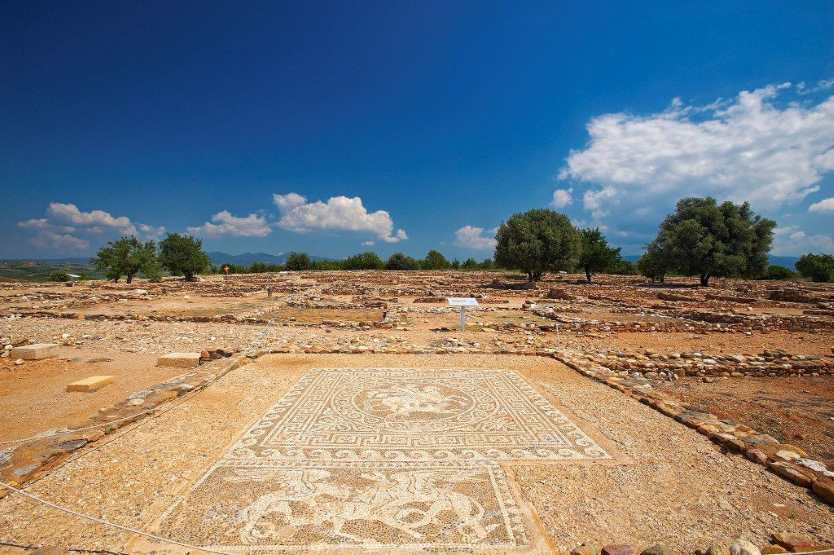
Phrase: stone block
{"type": "Point", "coordinates": [179, 360]}
{"type": "Point", "coordinates": [37, 351]}
{"type": "Point", "coordinates": [93, 383]}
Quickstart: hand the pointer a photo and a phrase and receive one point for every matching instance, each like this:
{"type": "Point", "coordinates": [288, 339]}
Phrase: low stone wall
{"type": "Point", "coordinates": [788, 461]}
{"type": "Point", "coordinates": [670, 366]}
{"type": "Point", "coordinates": [30, 458]}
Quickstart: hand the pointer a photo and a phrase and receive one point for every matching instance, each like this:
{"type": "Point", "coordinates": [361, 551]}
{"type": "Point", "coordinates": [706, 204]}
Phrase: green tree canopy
{"type": "Point", "coordinates": [818, 267]}
{"type": "Point", "coordinates": [298, 262]}
{"type": "Point", "coordinates": [596, 255]}
{"type": "Point", "coordinates": [774, 271]}
{"type": "Point", "coordinates": [183, 255]}
{"type": "Point", "coordinates": [654, 264]}
{"type": "Point", "coordinates": [59, 275]}
{"type": "Point", "coordinates": [706, 239]}
{"type": "Point", "coordinates": [536, 242]}
{"type": "Point", "coordinates": [399, 261]}
{"type": "Point", "coordinates": [127, 257]}
{"type": "Point", "coordinates": [434, 260]}
{"type": "Point", "coordinates": [363, 261]}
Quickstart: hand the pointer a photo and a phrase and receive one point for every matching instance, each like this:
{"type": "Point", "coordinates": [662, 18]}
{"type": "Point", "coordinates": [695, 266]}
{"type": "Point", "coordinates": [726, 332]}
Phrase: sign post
{"type": "Point", "coordinates": [462, 303]}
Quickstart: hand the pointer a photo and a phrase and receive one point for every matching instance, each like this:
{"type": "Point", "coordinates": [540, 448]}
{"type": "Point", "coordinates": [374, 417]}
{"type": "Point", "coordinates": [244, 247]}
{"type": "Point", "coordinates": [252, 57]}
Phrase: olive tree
{"type": "Point", "coordinates": [596, 255]}
{"type": "Point", "coordinates": [708, 239]}
{"type": "Point", "coordinates": [537, 241]}
{"type": "Point", "coordinates": [818, 267]}
{"type": "Point", "coordinates": [127, 257]}
{"type": "Point", "coordinates": [183, 255]}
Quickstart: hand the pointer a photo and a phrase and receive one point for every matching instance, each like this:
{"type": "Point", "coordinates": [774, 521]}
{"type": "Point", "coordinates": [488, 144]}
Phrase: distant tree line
{"type": "Point", "coordinates": [700, 238]}
{"type": "Point", "coordinates": [299, 261]}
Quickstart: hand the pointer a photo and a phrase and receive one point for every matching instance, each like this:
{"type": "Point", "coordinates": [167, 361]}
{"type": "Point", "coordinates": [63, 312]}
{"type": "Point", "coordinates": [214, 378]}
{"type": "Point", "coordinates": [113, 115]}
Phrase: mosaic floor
{"type": "Point", "coordinates": [397, 458]}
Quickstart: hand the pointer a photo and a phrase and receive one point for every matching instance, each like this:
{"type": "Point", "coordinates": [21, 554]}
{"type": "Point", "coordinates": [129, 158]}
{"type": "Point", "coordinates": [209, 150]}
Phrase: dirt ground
{"type": "Point", "coordinates": [565, 502]}
{"type": "Point", "coordinates": [34, 396]}
{"type": "Point", "coordinates": [799, 411]}
{"type": "Point", "coordinates": [662, 483]}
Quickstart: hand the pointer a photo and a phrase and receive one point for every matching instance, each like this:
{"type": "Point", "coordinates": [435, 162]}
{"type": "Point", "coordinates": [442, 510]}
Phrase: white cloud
{"type": "Point", "coordinates": [34, 223]}
{"type": "Point", "coordinates": [151, 233]}
{"type": "Point", "coordinates": [64, 222]}
{"type": "Point", "coordinates": [825, 205]}
{"type": "Point", "coordinates": [50, 240]}
{"type": "Point", "coordinates": [289, 201]}
{"type": "Point", "coordinates": [224, 223]}
{"type": "Point", "coordinates": [367, 243]}
{"type": "Point", "coordinates": [791, 241]}
{"type": "Point", "coordinates": [744, 149]}
{"type": "Point", "coordinates": [599, 202]}
{"type": "Point", "coordinates": [93, 219]}
{"type": "Point", "coordinates": [561, 198]}
{"type": "Point", "coordinates": [471, 237]}
{"type": "Point", "coordinates": [823, 85]}
{"type": "Point", "coordinates": [338, 213]}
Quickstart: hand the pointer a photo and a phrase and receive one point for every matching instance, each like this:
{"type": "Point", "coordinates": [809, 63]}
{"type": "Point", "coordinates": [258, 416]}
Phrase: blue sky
{"type": "Point", "coordinates": [335, 127]}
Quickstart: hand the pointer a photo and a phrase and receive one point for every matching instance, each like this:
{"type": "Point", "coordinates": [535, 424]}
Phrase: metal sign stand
{"type": "Point", "coordinates": [462, 303]}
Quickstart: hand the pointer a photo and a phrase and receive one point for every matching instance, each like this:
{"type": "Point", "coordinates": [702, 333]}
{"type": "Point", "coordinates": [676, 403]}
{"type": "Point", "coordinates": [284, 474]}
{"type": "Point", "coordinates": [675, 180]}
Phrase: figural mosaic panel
{"type": "Point", "coordinates": [394, 458]}
{"type": "Point", "coordinates": [407, 414]}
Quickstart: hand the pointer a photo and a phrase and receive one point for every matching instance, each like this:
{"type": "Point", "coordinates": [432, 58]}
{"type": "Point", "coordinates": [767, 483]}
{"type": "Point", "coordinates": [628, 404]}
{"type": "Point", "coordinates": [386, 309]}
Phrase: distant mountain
{"type": "Point", "coordinates": [786, 261]}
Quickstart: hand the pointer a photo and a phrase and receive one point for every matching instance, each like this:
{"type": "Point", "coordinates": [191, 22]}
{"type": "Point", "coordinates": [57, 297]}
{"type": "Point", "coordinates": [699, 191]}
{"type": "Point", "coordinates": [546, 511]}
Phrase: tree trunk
{"type": "Point", "coordinates": [588, 276]}
{"type": "Point", "coordinates": [530, 276]}
{"type": "Point", "coordinates": [705, 280]}
{"type": "Point", "coordinates": [129, 278]}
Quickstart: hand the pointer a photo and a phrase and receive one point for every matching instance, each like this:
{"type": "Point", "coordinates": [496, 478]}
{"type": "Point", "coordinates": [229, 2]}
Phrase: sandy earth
{"type": "Point", "coordinates": [640, 496]}
{"type": "Point", "coordinates": [177, 474]}
{"type": "Point", "coordinates": [34, 396]}
{"type": "Point", "coordinates": [795, 410]}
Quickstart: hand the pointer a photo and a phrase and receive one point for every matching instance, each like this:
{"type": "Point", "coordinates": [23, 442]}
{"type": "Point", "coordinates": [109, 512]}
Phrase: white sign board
{"type": "Point", "coordinates": [462, 301]}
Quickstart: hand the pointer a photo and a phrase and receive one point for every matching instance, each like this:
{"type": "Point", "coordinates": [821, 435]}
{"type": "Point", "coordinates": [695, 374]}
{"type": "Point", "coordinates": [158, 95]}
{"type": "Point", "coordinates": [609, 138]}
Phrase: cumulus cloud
{"type": "Point", "coordinates": [34, 223]}
{"type": "Point", "coordinates": [50, 240]}
{"type": "Point", "coordinates": [471, 237]}
{"type": "Point", "coordinates": [747, 148]}
{"type": "Point", "coordinates": [599, 202]}
{"type": "Point", "coordinates": [825, 205]}
{"type": "Point", "coordinates": [65, 225]}
{"type": "Point", "coordinates": [791, 240]}
{"type": "Point", "coordinates": [338, 213]}
{"type": "Point", "coordinates": [225, 224]}
{"type": "Point", "coordinates": [561, 198]}
{"type": "Point", "coordinates": [93, 219]}
{"type": "Point", "coordinates": [151, 233]}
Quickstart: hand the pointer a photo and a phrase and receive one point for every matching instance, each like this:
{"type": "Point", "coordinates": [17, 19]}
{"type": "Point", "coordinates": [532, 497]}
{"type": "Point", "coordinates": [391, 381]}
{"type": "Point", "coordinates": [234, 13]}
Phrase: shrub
{"type": "Point", "coordinates": [59, 276]}
{"type": "Point", "coordinates": [818, 267]}
{"type": "Point", "coordinates": [775, 271]}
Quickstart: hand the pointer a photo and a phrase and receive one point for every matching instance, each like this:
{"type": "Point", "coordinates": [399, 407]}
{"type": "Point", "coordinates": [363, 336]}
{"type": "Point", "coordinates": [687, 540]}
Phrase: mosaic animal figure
{"type": "Point", "coordinates": [389, 500]}
{"type": "Point", "coordinates": [403, 401]}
